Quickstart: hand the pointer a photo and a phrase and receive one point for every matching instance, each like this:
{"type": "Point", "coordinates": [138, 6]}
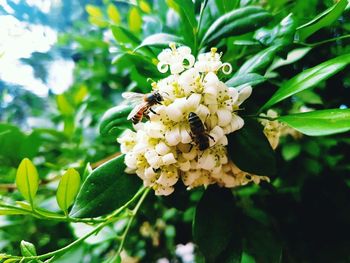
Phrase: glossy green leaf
{"type": "Point", "coordinates": [213, 222]}
{"type": "Point", "coordinates": [320, 122]}
{"type": "Point", "coordinates": [27, 180]}
{"type": "Point", "coordinates": [226, 6]}
{"type": "Point", "coordinates": [64, 105]}
{"type": "Point", "coordinates": [322, 20]}
{"type": "Point", "coordinates": [135, 20]}
{"type": "Point", "coordinates": [245, 79]}
{"type": "Point", "coordinates": [124, 36]}
{"type": "Point", "coordinates": [161, 40]}
{"type": "Point", "coordinates": [68, 189]}
{"type": "Point", "coordinates": [114, 121]}
{"type": "Point", "coordinates": [308, 78]}
{"type": "Point", "coordinates": [107, 188]}
{"type": "Point", "coordinates": [281, 34]}
{"type": "Point", "coordinates": [259, 62]}
{"type": "Point", "coordinates": [236, 22]}
{"type": "Point", "coordinates": [27, 249]}
{"type": "Point", "coordinates": [185, 9]}
{"type": "Point", "coordinates": [11, 211]}
{"type": "Point", "coordinates": [113, 14]}
{"type": "Point", "coordinates": [293, 56]}
{"type": "Point", "coordinates": [250, 150]}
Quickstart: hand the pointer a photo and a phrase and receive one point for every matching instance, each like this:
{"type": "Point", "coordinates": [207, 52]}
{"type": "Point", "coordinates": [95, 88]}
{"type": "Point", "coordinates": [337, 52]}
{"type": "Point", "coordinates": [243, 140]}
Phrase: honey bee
{"type": "Point", "coordinates": [144, 101]}
{"type": "Point", "coordinates": [198, 132]}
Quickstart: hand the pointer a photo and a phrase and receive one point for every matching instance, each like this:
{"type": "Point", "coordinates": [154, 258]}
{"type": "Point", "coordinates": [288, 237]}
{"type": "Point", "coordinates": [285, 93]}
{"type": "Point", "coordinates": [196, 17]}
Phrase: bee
{"type": "Point", "coordinates": [198, 132]}
{"type": "Point", "coordinates": [144, 101]}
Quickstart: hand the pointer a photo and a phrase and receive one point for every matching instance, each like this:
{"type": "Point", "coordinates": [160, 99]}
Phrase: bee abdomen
{"type": "Point", "coordinates": [196, 124]}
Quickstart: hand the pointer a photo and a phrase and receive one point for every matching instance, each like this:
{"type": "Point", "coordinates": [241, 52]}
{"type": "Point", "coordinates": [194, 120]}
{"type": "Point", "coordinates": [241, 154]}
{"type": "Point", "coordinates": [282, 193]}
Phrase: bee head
{"type": "Point", "coordinates": [158, 97]}
{"type": "Point", "coordinates": [192, 115]}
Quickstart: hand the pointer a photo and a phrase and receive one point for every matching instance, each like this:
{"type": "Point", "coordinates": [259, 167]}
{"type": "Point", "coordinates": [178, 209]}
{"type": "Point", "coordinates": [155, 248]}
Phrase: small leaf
{"type": "Point", "coordinates": [308, 79]}
{"type": "Point", "coordinates": [186, 11]}
{"type": "Point", "coordinates": [282, 34]}
{"type": "Point", "coordinates": [292, 57]}
{"type": "Point", "coordinates": [105, 189]}
{"type": "Point", "coordinates": [250, 150]}
{"type": "Point", "coordinates": [319, 123]}
{"type": "Point", "coordinates": [135, 20]}
{"type": "Point", "coordinates": [10, 211]}
{"type": "Point", "coordinates": [68, 189]}
{"type": "Point", "coordinates": [124, 36]}
{"type": "Point", "coordinates": [64, 106]}
{"type": "Point", "coordinates": [94, 11]}
{"type": "Point", "coordinates": [27, 249]}
{"type": "Point", "coordinates": [145, 7]}
{"type": "Point", "coordinates": [114, 120]}
{"type": "Point", "coordinates": [290, 151]}
{"type": "Point", "coordinates": [322, 20]}
{"type": "Point", "coordinates": [236, 22]}
{"type": "Point", "coordinates": [250, 79]}
{"type": "Point", "coordinates": [160, 40]}
{"type": "Point", "coordinates": [27, 180]}
{"type": "Point", "coordinates": [259, 62]}
{"type": "Point", "coordinates": [213, 222]}
{"type": "Point", "coordinates": [113, 14]}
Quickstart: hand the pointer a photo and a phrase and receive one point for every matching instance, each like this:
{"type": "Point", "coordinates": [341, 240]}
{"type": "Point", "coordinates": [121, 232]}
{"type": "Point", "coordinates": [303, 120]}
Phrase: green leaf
{"type": "Point", "coordinates": [27, 249]}
{"type": "Point", "coordinates": [259, 62]}
{"type": "Point", "coordinates": [308, 78]}
{"type": "Point", "coordinates": [27, 180]}
{"type": "Point", "coordinates": [245, 79]}
{"type": "Point", "coordinates": [64, 106]}
{"type": "Point", "coordinates": [281, 34]}
{"type": "Point", "coordinates": [293, 56]}
{"type": "Point", "coordinates": [226, 6]}
{"type": "Point", "coordinates": [185, 9]}
{"type": "Point", "coordinates": [124, 36]}
{"type": "Point", "coordinates": [319, 123]}
{"type": "Point", "coordinates": [213, 222]}
{"type": "Point", "coordinates": [135, 20]}
{"type": "Point", "coordinates": [161, 40]}
{"type": "Point", "coordinates": [68, 189]}
{"type": "Point", "coordinates": [236, 22]}
{"type": "Point", "coordinates": [114, 120]}
{"type": "Point", "coordinates": [11, 211]}
{"type": "Point", "coordinates": [290, 151]}
{"type": "Point", "coordinates": [322, 20]}
{"type": "Point", "coordinates": [105, 189]}
{"type": "Point", "coordinates": [113, 14]}
{"type": "Point", "coordinates": [250, 150]}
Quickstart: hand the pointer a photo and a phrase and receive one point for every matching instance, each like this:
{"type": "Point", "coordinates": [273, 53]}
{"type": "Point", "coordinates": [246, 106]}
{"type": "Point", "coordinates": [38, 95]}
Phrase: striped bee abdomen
{"type": "Point", "coordinates": [198, 131]}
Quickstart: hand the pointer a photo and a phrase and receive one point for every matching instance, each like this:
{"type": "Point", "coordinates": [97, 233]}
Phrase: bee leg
{"type": "Point", "coordinates": [150, 109]}
{"type": "Point", "coordinates": [145, 114]}
{"type": "Point", "coordinates": [211, 137]}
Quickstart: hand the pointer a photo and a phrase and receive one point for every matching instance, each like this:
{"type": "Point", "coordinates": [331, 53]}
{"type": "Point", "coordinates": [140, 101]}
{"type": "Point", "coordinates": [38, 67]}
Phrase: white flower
{"type": "Point", "coordinates": [164, 149]}
{"type": "Point", "coordinates": [176, 58]}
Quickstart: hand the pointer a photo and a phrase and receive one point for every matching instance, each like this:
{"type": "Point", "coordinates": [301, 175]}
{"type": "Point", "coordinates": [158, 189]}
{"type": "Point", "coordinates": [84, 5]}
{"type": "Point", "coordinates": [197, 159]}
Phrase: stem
{"type": "Point", "coordinates": [127, 228]}
{"type": "Point", "coordinates": [323, 42]}
{"type": "Point", "coordinates": [110, 219]}
{"type": "Point", "coordinates": [262, 117]}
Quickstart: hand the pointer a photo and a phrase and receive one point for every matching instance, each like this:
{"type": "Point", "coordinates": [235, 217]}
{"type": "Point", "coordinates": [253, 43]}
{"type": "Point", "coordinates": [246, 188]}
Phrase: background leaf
{"type": "Point", "coordinates": [68, 189]}
{"type": "Point", "coordinates": [319, 123]}
{"type": "Point", "coordinates": [322, 20]}
{"type": "Point", "coordinates": [27, 180]}
{"type": "Point", "coordinates": [105, 189]}
{"type": "Point", "coordinates": [27, 249]}
{"type": "Point", "coordinates": [250, 150]}
{"type": "Point", "coordinates": [161, 40]}
{"type": "Point", "coordinates": [308, 79]}
{"type": "Point", "coordinates": [213, 222]}
{"type": "Point", "coordinates": [114, 120]}
{"type": "Point", "coordinates": [250, 79]}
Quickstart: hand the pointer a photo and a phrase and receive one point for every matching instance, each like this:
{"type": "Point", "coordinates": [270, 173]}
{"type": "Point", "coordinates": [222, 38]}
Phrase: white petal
{"type": "Point", "coordinates": [217, 133]}
{"type": "Point", "coordinates": [162, 148]}
{"type": "Point", "coordinates": [130, 160]}
{"type": "Point", "coordinates": [211, 79]}
{"type": "Point", "coordinates": [193, 101]}
{"type": "Point", "coordinates": [210, 89]}
{"type": "Point", "coordinates": [206, 161]}
{"type": "Point", "coordinates": [162, 67]}
{"type": "Point", "coordinates": [190, 155]}
{"type": "Point", "coordinates": [167, 178]}
{"type": "Point", "coordinates": [224, 117]}
{"type": "Point", "coordinates": [244, 94]}
{"type": "Point", "coordinates": [189, 177]}
{"type": "Point", "coordinates": [173, 136]}
{"type": "Point", "coordinates": [161, 190]}
{"type": "Point", "coordinates": [236, 123]}
{"type": "Point", "coordinates": [176, 68]}
{"type": "Point", "coordinates": [185, 136]}
{"type": "Point", "coordinates": [184, 166]}
{"type": "Point", "coordinates": [169, 159]}
{"type": "Point", "coordinates": [174, 111]}
{"type": "Point", "coordinates": [202, 112]}
{"type": "Point", "coordinates": [149, 173]}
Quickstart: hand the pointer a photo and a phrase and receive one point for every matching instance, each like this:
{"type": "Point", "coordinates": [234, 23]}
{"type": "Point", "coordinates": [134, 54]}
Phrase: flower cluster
{"type": "Point", "coordinates": [162, 150]}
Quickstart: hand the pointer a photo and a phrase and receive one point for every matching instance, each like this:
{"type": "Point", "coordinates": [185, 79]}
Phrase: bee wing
{"type": "Point", "coordinates": [135, 110]}
{"type": "Point", "coordinates": [133, 97]}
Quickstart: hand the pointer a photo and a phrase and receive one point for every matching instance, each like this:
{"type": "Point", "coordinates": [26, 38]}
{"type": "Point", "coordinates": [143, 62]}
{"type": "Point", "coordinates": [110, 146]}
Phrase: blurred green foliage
{"type": "Point", "coordinates": [302, 216]}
